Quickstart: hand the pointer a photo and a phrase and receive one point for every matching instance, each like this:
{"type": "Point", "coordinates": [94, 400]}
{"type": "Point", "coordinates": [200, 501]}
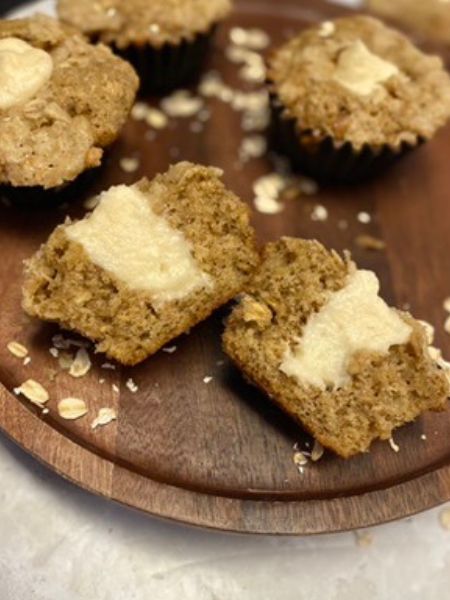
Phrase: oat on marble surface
{"type": "Point", "coordinates": [444, 519]}
{"type": "Point", "coordinates": [33, 391]}
{"type": "Point", "coordinates": [72, 409]}
{"type": "Point", "coordinates": [18, 350]}
{"type": "Point", "coordinates": [364, 539]}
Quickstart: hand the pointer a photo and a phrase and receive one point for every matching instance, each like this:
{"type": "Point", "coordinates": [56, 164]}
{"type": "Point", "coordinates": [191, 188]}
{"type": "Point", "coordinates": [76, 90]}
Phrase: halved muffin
{"type": "Point", "coordinates": [152, 260]}
{"type": "Point", "coordinates": [313, 333]}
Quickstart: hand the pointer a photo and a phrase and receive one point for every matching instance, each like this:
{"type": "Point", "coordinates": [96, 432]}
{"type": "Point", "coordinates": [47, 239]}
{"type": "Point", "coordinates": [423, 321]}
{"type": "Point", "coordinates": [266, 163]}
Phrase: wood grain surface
{"type": "Point", "coordinates": [220, 455]}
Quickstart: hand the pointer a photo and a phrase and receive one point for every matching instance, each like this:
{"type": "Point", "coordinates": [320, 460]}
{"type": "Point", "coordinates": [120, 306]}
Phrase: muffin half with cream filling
{"type": "Point", "coordinates": [151, 261]}
{"type": "Point", "coordinates": [313, 332]}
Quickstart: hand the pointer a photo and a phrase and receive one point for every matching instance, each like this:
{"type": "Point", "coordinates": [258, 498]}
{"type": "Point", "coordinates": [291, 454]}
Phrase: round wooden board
{"type": "Point", "coordinates": [219, 454]}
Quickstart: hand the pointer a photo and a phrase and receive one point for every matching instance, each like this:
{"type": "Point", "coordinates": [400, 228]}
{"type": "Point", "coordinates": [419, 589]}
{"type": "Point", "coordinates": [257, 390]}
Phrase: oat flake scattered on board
{"type": "Point", "coordinates": [317, 452]}
{"type": "Point", "coordinates": [300, 459]}
{"type": "Point", "coordinates": [170, 349]}
{"type": "Point", "coordinates": [369, 242]}
{"type": "Point", "coordinates": [156, 118]}
{"type": "Point", "coordinates": [104, 417]}
{"type": "Point", "coordinates": [81, 364]}
{"type": "Point", "coordinates": [267, 205]}
{"type": "Point", "coordinates": [33, 391]}
{"type": "Point", "coordinates": [129, 165]}
{"type": "Point", "coordinates": [18, 350]}
{"type": "Point", "coordinates": [395, 447]}
{"type": "Point", "coordinates": [131, 385]}
{"type": "Point", "coordinates": [182, 104]}
{"type": "Point", "coordinates": [446, 305]}
{"type": "Point", "coordinates": [139, 111]}
{"type": "Point", "coordinates": [72, 409]}
{"type": "Point", "coordinates": [108, 366]}
{"type": "Point", "coordinates": [364, 217]}
{"type": "Point", "coordinates": [319, 213]}
{"type": "Point", "coordinates": [255, 39]}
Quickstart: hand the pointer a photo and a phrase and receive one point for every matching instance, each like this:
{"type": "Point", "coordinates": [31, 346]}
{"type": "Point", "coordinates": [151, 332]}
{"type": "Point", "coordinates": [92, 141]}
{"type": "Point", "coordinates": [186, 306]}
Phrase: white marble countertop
{"type": "Point", "coordinates": [61, 543]}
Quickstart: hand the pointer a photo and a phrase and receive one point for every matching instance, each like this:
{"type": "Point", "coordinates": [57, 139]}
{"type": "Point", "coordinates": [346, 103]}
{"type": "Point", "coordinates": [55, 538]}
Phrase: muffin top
{"type": "Point", "coordinates": [430, 18]}
{"type": "Point", "coordinates": [61, 101]}
{"type": "Point", "coordinates": [140, 22]}
{"type": "Point", "coordinates": [358, 81]}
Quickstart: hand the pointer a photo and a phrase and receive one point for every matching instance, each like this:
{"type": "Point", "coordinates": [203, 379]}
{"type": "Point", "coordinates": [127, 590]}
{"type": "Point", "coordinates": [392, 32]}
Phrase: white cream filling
{"type": "Point", "coordinates": [361, 71]}
{"type": "Point", "coordinates": [24, 71]}
{"type": "Point", "coordinates": [126, 238]}
{"type": "Point", "coordinates": [354, 319]}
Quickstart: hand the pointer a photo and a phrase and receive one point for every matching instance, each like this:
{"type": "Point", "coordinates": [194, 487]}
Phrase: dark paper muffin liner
{"type": "Point", "coordinates": [164, 69]}
{"type": "Point", "coordinates": [36, 196]}
{"type": "Point", "coordinates": [322, 159]}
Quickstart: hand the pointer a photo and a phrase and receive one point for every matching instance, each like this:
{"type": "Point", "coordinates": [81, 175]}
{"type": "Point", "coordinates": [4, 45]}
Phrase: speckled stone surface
{"type": "Point", "coordinates": [61, 543]}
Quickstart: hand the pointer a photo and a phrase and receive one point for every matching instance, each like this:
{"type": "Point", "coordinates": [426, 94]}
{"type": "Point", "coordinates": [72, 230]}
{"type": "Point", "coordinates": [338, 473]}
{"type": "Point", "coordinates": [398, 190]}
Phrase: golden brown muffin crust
{"type": "Point", "coordinates": [58, 134]}
{"type": "Point", "coordinates": [416, 102]}
{"type": "Point", "coordinates": [140, 22]}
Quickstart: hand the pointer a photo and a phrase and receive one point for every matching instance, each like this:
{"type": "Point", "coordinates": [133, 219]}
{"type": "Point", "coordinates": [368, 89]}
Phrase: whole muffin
{"type": "Point", "coordinates": [352, 95]}
{"type": "Point", "coordinates": [62, 101]}
{"type": "Point", "coordinates": [166, 40]}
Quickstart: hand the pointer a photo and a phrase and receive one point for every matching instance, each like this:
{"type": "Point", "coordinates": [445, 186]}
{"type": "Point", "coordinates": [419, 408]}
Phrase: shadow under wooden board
{"type": "Point", "coordinates": [219, 454]}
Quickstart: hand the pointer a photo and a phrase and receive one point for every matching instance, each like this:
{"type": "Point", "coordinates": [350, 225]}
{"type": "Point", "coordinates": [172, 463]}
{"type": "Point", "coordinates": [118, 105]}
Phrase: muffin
{"type": "Point", "coordinates": [152, 260]}
{"type": "Point", "coordinates": [166, 40]}
{"type": "Point", "coordinates": [312, 332]}
{"type": "Point", "coordinates": [430, 19]}
{"type": "Point", "coordinates": [351, 96]}
{"type": "Point", "coordinates": [62, 101]}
